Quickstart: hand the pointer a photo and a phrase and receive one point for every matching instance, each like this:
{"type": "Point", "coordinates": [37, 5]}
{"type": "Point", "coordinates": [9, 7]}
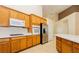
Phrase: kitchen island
{"type": "Point", "coordinates": [67, 43]}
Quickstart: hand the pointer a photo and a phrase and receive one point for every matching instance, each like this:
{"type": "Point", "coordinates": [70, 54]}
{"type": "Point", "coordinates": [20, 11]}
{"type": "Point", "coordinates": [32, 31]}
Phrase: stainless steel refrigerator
{"type": "Point", "coordinates": [43, 33]}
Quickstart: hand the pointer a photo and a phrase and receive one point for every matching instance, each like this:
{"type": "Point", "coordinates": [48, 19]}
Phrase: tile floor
{"type": "Point", "coordinates": [49, 47]}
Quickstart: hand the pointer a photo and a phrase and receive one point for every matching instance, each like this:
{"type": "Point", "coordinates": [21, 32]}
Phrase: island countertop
{"type": "Point", "coordinates": [74, 38]}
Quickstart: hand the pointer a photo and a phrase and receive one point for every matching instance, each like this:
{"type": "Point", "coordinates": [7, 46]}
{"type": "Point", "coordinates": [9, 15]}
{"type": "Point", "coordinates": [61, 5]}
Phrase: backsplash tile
{"type": "Point", "coordinates": [12, 30]}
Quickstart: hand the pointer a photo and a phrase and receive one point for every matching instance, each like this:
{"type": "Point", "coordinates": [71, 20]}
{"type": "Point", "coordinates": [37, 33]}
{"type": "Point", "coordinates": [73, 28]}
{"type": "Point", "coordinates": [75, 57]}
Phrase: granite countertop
{"type": "Point", "coordinates": [8, 36]}
{"type": "Point", "coordinates": [74, 38]}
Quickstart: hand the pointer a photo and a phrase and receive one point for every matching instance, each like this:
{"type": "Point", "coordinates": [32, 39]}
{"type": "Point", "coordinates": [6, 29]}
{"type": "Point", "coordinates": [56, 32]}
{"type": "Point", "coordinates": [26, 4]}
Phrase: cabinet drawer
{"type": "Point", "coordinates": [59, 49]}
{"type": "Point", "coordinates": [4, 39]}
{"type": "Point", "coordinates": [5, 47]}
{"type": "Point", "coordinates": [67, 42]}
{"type": "Point", "coordinates": [66, 48]}
{"type": "Point", "coordinates": [75, 49]}
{"type": "Point", "coordinates": [17, 38]}
{"type": "Point", "coordinates": [76, 45]}
{"type": "Point", "coordinates": [59, 44]}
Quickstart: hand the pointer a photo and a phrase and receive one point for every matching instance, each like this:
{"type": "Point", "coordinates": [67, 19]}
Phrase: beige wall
{"type": "Point", "coordinates": [52, 27]}
{"type": "Point", "coordinates": [77, 23]}
{"type": "Point", "coordinates": [69, 24]}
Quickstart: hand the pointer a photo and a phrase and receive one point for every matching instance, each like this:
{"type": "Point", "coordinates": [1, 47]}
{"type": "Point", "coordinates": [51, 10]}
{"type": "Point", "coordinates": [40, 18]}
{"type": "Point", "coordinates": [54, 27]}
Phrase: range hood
{"type": "Point", "coordinates": [17, 22]}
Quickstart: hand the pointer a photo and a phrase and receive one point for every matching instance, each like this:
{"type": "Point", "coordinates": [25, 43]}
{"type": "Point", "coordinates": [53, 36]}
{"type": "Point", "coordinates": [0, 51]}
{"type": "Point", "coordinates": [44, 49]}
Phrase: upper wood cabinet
{"type": "Point", "coordinates": [27, 21]}
{"type": "Point", "coordinates": [4, 16]}
{"type": "Point", "coordinates": [35, 19]}
{"type": "Point", "coordinates": [44, 21]}
{"type": "Point", "coordinates": [13, 14]}
{"type": "Point", "coordinates": [21, 16]}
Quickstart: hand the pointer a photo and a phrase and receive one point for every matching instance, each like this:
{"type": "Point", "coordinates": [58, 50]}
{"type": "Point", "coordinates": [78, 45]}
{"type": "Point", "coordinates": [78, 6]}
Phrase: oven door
{"type": "Point", "coordinates": [36, 30]}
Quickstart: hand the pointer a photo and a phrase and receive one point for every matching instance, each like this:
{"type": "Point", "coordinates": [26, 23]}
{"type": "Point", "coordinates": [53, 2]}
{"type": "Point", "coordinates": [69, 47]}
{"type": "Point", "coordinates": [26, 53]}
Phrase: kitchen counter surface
{"type": "Point", "coordinates": [74, 38]}
{"type": "Point", "coordinates": [8, 36]}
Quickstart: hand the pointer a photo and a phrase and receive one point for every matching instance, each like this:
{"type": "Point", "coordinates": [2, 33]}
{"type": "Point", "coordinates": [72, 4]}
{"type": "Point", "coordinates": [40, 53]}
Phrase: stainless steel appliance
{"type": "Point", "coordinates": [43, 33]}
{"type": "Point", "coordinates": [36, 29]}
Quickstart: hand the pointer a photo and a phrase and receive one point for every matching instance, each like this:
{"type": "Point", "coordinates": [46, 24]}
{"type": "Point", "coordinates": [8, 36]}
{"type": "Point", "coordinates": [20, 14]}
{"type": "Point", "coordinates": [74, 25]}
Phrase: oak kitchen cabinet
{"type": "Point", "coordinates": [75, 47]}
{"type": "Point", "coordinates": [21, 16]}
{"type": "Point", "coordinates": [13, 14]}
{"type": "Point", "coordinates": [44, 21]}
{"type": "Point", "coordinates": [66, 46]}
{"type": "Point", "coordinates": [17, 15]}
{"type": "Point", "coordinates": [38, 39]}
{"type": "Point", "coordinates": [59, 44]}
{"type": "Point", "coordinates": [15, 44]}
{"type": "Point", "coordinates": [34, 37]}
{"type": "Point", "coordinates": [4, 46]}
{"type": "Point", "coordinates": [35, 19]}
{"type": "Point", "coordinates": [29, 41]}
{"type": "Point", "coordinates": [23, 43]}
{"type": "Point", "coordinates": [27, 21]}
{"type": "Point", "coordinates": [4, 16]}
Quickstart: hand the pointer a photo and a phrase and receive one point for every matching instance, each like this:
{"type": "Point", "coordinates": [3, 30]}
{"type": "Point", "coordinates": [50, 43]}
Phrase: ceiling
{"type": "Point", "coordinates": [50, 10]}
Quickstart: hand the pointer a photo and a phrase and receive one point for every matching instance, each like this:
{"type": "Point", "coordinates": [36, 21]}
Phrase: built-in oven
{"type": "Point", "coordinates": [36, 29]}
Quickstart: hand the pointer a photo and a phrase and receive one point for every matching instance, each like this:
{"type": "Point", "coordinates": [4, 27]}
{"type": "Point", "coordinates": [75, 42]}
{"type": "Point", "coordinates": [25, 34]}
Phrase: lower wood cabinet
{"type": "Point", "coordinates": [5, 47]}
{"type": "Point", "coordinates": [38, 39]}
{"type": "Point", "coordinates": [29, 41]}
{"type": "Point", "coordinates": [34, 40]}
{"type": "Point", "coordinates": [23, 42]}
{"type": "Point", "coordinates": [66, 46]}
{"type": "Point", "coordinates": [59, 44]}
{"type": "Point", "coordinates": [75, 47]}
{"type": "Point", "coordinates": [75, 50]}
{"type": "Point", "coordinates": [15, 44]}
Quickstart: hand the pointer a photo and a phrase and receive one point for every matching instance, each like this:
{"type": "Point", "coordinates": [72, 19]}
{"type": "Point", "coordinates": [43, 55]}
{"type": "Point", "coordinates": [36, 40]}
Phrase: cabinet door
{"type": "Point", "coordinates": [45, 21]}
{"type": "Point", "coordinates": [35, 20]}
{"type": "Point", "coordinates": [42, 21]}
{"type": "Point", "coordinates": [29, 41]}
{"type": "Point", "coordinates": [15, 45]}
{"type": "Point", "coordinates": [13, 14]}
{"type": "Point", "coordinates": [34, 39]}
{"type": "Point", "coordinates": [59, 44]}
{"type": "Point", "coordinates": [75, 50]}
{"type": "Point", "coordinates": [4, 16]}
{"type": "Point", "coordinates": [66, 46]}
{"type": "Point", "coordinates": [5, 47]}
{"type": "Point", "coordinates": [75, 47]}
{"type": "Point", "coordinates": [23, 43]}
{"type": "Point", "coordinates": [20, 16]}
{"type": "Point", "coordinates": [27, 21]}
{"type": "Point", "coordinates": [38, 39]}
